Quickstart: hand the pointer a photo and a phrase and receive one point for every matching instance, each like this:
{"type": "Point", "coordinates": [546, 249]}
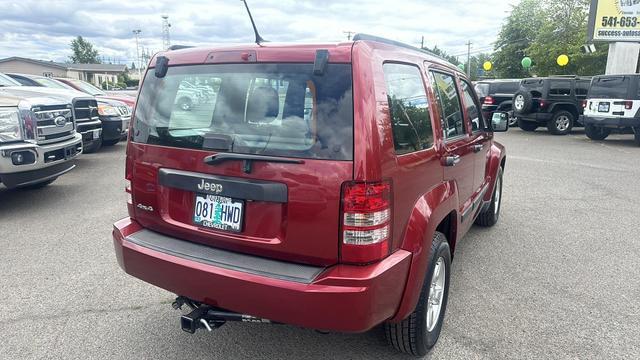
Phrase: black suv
{"type": "Point", "coordinates": [555, 102]}
{"type": "Point", "coordinates": [497, 95]}
{"type": "Point", "coordinates": [613, 104]}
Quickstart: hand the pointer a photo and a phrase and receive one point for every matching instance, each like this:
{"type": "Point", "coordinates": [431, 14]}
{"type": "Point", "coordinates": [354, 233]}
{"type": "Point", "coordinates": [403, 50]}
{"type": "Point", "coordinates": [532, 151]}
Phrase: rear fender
{"type": "Point", "coordinates": [496, 156]}
{"type": "Point", "coordinates": [427, 214]}
{"type": "Point", "coordinates": [505, 106]}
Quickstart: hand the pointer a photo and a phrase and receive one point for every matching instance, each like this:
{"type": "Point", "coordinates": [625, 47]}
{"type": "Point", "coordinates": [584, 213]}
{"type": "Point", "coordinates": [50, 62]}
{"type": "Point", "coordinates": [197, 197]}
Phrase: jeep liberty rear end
{"type": "Point", "coordinates": [314, 187]}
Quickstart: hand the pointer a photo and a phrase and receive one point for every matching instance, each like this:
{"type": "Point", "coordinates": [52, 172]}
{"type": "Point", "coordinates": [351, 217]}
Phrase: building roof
{"type": "Point", "coordinates": [79, 67]}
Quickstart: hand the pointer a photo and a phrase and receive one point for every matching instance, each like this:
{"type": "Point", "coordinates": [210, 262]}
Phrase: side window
{"type": "Point", "coordinates": [409, 108]}
{"type": "Point", "coordinates": [449, 103]}
{"type": "Point", "coordinates": [582, 88]}
{"type": "Point", "coordinates": [471, 104]}
{"type": "Point", "coordinates": [560, 88]}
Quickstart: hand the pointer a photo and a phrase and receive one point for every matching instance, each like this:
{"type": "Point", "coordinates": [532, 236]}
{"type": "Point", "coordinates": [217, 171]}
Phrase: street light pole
{"type": "Point", "coordinates": [137, 33]}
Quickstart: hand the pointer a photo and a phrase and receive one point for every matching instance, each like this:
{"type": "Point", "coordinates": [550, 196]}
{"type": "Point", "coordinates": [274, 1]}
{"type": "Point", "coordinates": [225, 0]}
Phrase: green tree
{"type": "Point", "coordinates": [564, 32]}
{"type": "Point", "coordinates": [443, 54]}
{"type": "Point", "coordinates": [516, 36]}
{"type": "Point", "coordinates": [83, 52]}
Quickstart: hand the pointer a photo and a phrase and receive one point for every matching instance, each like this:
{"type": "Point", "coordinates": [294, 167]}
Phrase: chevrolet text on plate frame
{"type": "Point", "coordinates": [615, 20]}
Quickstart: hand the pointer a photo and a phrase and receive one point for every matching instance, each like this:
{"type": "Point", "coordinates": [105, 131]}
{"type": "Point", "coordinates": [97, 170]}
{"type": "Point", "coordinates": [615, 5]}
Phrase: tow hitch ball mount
{"type": "Point", "coordinates": [208, 317]}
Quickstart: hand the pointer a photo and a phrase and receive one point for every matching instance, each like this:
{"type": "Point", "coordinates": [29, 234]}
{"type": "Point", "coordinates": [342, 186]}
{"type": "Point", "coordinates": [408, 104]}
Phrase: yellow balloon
{"type": "Point", "coordinates": [563, 60]}
{"type": "Point", "coordinates": [487, 66]}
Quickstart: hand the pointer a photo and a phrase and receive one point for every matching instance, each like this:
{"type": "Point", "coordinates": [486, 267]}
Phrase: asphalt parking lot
{"type": "Point", "coordinates": [558, 277]}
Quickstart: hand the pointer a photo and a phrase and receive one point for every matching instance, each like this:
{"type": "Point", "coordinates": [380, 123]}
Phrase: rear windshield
{"type": "Point", "coordinates": [268, 109]}
{"type": "Point", "coordinates": [535, 86]}
{"type": "Point", "coordinates": [505, 87]}
{"type": "Point", "coordinates": [610, 87]}
{"type": "Point", "coordinates": [482, 89]}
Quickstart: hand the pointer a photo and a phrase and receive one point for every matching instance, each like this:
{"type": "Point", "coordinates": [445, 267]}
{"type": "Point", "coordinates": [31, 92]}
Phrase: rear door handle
{"type": "Point", "coordinates": [477, 148]}
{"type": "Point", "coordinates": [451, 160]}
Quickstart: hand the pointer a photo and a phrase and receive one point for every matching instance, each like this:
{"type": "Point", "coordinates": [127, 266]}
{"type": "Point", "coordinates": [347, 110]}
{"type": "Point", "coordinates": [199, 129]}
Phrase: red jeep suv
{"type": "Point", "coordinates": [324, 186]}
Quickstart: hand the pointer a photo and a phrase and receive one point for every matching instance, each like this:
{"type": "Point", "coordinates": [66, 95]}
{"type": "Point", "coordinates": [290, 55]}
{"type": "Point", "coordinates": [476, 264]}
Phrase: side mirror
{"type": "Point", "coordinates": [500, 122]}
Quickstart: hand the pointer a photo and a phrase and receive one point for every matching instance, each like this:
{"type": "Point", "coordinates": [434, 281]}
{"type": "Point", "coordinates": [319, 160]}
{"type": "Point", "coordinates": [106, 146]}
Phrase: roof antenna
{"type": "Point", "coordinates": [259, 38]}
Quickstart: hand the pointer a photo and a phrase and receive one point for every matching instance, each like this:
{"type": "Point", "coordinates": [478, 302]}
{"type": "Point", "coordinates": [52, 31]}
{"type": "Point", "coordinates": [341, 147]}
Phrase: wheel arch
{"type": "Point", "coordinates": [572, 108]}
{"type": "Point", "coordinates": [434, 211]}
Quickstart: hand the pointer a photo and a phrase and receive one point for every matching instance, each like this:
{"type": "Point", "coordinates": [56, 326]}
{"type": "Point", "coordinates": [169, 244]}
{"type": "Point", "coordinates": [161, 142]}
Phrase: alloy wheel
{"type": "Point", "coordinates": [436, 294]}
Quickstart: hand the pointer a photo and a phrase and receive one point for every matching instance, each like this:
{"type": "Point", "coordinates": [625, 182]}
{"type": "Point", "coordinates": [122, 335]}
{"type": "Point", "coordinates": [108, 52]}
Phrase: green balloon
{"type": "Point", "coordinates": [527, 62]}
{"type": "Point", "coordinates": [461, 67]}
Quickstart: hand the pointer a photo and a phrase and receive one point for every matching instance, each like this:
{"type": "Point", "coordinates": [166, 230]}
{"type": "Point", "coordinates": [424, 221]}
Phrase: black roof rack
{"type": "Point", "coordinates": [179, 47]}
{"type": "Point", "coordinates": [367, 37]}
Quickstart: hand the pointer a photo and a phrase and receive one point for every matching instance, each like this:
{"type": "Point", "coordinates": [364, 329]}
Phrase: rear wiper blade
{"type": "Point", "coordinates": [248, 159]}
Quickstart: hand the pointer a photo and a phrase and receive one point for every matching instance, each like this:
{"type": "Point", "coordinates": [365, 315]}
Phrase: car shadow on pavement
{"type": "Point", "coordinates": [15, 201]}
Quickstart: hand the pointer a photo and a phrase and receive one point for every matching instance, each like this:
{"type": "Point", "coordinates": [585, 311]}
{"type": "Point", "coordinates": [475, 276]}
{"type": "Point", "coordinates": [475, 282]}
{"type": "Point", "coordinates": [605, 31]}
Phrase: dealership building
{"type": "Point", "coordinates": [93, 73]}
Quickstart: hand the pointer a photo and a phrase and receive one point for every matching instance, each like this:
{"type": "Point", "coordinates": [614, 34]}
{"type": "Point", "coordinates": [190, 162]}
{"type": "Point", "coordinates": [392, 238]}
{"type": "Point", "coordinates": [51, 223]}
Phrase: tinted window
{"type": "Point", "coordinates": [409, 107]}
{"type": "Point", "coordinates": [535, 86]}
{"type": "Point", "coordinates": [449, 103]}
{"type": "Point", "coordinates": [560, 88]}
{"type": "Point", "coordinates": [268, 109]}
{"type": "Point", "coordinates": [472, 107]}
{"type": "Point", "coordinates": [582, 88]}
{"type": "Point", "coordinates": [615, 87]}
{"type": "Point", "coordinates": [505, 87]}
{"type": "Point", "coordinates": [482, 89]}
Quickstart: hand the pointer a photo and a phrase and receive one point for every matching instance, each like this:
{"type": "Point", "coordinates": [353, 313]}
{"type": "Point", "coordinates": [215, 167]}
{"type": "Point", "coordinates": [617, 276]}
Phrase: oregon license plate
{"type": "Point", "coordinates": [603, 107]}
{"type": "Point", "coordinates": [218, 212]}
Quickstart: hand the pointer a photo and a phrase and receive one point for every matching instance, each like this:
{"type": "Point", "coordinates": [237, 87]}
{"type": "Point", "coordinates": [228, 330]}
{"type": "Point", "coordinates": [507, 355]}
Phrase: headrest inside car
{"type": "Point", "coordinates": [263, 105]}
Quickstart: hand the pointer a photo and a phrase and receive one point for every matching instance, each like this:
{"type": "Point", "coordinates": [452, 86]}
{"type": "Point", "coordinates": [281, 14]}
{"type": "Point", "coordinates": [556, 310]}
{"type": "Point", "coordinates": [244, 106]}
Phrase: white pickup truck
{"type": "Point", "coordinates": [38, 140]}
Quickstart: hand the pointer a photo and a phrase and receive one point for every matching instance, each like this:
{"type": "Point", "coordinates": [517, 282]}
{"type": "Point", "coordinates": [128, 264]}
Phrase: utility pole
{"type": "Point", "coordinates": [166, 36]}
{"type": "Point", "coordinates": [469, 59]}
{"type": "Point", "coordinates": [349, 33]}
{"type": "Point", "coordinates": [137, 33]}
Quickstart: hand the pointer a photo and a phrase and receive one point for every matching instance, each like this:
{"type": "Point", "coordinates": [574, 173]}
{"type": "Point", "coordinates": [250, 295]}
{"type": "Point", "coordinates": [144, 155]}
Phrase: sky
{"type": "Point", "coordinates": [43, 29]}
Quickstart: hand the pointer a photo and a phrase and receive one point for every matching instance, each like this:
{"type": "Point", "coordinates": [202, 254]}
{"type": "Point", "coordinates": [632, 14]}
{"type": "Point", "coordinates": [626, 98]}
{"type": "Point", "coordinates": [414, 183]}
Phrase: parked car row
{"type": "Point", "coordinates": [103, 120]}
{"type": "Point", "coordinates": [45, 123]}
{"type": "Point", "coordinates": [601, 104]}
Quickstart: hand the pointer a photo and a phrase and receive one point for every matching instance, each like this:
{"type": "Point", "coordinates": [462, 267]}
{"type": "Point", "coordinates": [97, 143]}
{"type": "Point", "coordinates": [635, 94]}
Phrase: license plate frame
{"type": "Point", "coordinates": [96, 133]}
{"type": "Point", "coordinates": [604, 107]}
{"type": "Point", "coordinates": [210, 222]}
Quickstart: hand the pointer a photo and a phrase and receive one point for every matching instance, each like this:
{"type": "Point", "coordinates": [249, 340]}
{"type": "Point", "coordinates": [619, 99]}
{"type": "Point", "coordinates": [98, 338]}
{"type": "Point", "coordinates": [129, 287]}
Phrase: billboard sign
{"type": "Point", "coordinates": [614, 20]}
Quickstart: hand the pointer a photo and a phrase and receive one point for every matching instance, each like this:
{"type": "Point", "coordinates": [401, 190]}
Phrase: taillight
{"type": "Point", "coordinates": [584, 104]}
{"type": "Point", "coordinates": [128, 173]}
{"type": "Point", "coordinates": [542, 104]}
{"type": "Point", "coordinates": [366, 222]}
{"type": "Point", "coordinates": [489, 100]}
{"type": "Point", "coordinates": [628, 105]}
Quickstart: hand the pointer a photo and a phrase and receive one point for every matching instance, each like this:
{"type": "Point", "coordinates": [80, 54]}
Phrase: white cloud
{"type": "Point", "coordinates": [43, 30]}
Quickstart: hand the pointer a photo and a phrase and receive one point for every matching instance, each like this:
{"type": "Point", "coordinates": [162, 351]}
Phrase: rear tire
{"type": "Point", "coordinates": [596, 132]}
{"type": "Point", "coordinates": [491, 214]}
{"type": "Point", "coordinates": [416, 335]}
{"type": "Point", "coordinates": [527, 125]}
{"type": "Point", "coordinates": [561, 123]}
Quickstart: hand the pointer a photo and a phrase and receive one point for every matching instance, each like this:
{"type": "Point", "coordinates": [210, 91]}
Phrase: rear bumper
{"type": "Point", "coordinates": [614, 122]}
{"type": "Point", "coordinates": [339, 298]}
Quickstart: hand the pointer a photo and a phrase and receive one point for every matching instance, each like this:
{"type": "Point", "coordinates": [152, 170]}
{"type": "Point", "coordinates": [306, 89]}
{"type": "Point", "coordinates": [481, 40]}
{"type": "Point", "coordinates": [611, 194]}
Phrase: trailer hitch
{"type": "Point", "coordinates": [208, 317]}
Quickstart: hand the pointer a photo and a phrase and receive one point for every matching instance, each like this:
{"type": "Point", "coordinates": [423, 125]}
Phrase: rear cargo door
{"type": "Point", "coordinates": [255, 164]}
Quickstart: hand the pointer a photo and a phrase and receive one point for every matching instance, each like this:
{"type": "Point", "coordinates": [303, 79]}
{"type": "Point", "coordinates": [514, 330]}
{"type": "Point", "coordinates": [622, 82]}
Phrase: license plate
{"type": "Point", "coordinates": [603, 107]}
{"type": "Point", "coordinates": [218, 212]}
{"type": "Point", "coordinates": [96, 133]}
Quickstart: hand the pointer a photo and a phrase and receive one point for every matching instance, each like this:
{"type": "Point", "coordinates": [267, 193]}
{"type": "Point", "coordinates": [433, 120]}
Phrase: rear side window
{"type": "Point", "coordinates": [482, 89]}
{"type": "Point", "coordinates": [614, 87]}
{"type": "Point", "coordinates": [267, 109]}
{"type": "Point", "coordinates": [535, 86]}
{"type": "Point", "coordinates": [449, 103]}
{"type": "Point", "coordinates": [409, 107]}
{"type": "Point", "coordinates": [470, 103]}
{"type": "Point", "coordinates": [582, 88]}
{"type": "Point", "coordinates": [560, 88]}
